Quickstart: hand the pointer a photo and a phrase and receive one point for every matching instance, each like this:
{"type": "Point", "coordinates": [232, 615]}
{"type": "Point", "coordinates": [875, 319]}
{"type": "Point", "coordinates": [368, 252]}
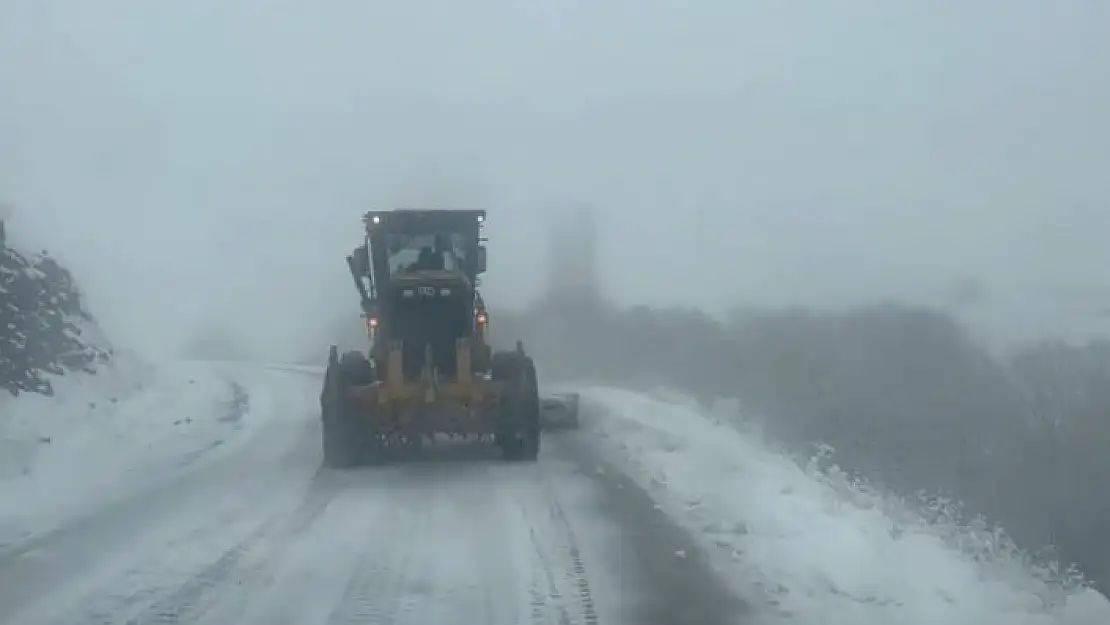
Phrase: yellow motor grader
{"type": "Point", "coordinates": [429, 371]}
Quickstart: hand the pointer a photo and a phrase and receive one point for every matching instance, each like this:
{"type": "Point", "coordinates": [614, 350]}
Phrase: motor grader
{"type": "Point", "coordinates": [429, 371]}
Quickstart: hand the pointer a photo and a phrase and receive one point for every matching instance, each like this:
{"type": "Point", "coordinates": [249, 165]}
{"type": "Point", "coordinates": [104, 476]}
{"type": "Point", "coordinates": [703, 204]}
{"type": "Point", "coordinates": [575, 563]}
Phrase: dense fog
{"type": "Point", "coordinates": [765, 177]}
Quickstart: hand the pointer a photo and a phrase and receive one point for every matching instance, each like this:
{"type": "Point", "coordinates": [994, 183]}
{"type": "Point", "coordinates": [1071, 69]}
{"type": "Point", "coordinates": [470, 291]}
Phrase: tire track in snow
{"type": "Point", "coordinates": [544, 587]}
{"type": "Point", "coordinates": [673, 580]}
{"type": "Point", "coordinates": [298, 577]}
{"type": "Point", "coordinates": [373, 594]}
{"type": "Point", "coordinates": [578, 566]}
{"type": "Point", "coordinates": [193, 599]}
{"type": "Point", "coordinates": [430, 541]}
{"type": "Point", "coordinates": [561, 564]}
{"type": "Point", "coordinates": [436, 540]}
{"type": "Point", "coordinates": [150, 595]}
{"type": "Point", "coordinates": [487, 541]}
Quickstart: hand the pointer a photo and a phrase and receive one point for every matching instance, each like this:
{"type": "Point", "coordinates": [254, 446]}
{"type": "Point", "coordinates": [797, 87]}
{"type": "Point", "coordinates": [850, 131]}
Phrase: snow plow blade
{"type": "Point", "coordinates": [559, 412]}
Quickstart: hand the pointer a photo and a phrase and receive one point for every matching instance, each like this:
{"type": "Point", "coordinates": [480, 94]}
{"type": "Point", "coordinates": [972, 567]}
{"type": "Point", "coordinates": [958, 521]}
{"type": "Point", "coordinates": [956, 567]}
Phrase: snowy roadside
{"type": "Point", "coordinates": [106, 435]}
{"type": "Point", "coordinates": [816, 547]}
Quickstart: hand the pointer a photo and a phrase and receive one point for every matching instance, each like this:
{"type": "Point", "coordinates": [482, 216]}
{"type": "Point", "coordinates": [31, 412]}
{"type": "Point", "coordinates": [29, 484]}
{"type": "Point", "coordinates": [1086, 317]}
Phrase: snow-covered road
{"type": "Point", "coordinates": [197, 497]}
{"type": "Point", "coordinates": [253, 531]}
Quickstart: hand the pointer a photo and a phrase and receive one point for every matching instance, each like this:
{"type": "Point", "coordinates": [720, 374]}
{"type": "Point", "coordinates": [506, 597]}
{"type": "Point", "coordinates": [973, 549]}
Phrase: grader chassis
{"type": "Point", "coordinates": [429, 371]}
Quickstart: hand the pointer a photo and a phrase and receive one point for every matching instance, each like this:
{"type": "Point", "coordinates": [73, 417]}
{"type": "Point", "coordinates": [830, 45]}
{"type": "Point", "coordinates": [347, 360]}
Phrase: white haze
{"type": "Point", "coordinates": [210, 158]}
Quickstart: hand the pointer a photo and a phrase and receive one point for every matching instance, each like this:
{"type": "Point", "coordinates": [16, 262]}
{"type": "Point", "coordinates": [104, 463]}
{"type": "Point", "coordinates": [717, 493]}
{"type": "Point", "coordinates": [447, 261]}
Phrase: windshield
{"type": "Point", "coordinates": [426, 251]}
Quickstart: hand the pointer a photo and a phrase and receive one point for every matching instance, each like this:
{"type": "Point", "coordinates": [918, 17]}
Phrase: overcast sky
{"type": "Point", "coordinates": [212, 157]}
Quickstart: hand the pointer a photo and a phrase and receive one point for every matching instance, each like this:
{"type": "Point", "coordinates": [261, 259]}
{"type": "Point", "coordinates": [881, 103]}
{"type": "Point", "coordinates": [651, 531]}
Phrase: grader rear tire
{"type": "Point", "coordinates": [520, 440]}
{"type": "Point", "coordinates": [344, 426]}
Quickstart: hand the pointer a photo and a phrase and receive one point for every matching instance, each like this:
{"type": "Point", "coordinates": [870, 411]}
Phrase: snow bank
{"type": "Point", "coordinates": [817, 548]}
{"type": "Point", "coordinates": [105, 434]}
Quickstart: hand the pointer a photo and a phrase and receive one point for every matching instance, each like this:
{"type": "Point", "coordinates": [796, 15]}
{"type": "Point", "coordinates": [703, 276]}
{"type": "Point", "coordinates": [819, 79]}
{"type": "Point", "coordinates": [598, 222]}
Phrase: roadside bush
{"type": "Point", "coordinates": [41, 314]}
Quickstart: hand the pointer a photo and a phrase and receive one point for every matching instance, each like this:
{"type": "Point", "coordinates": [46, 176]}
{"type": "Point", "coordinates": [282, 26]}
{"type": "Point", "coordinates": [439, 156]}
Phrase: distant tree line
{"type": "Point", "coordinates": [41, 312]}
{"type": "Point", "coordinates": [904, 395]}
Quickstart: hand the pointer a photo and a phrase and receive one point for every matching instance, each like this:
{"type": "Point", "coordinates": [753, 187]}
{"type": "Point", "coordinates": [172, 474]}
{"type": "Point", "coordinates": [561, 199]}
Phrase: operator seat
{"type": "Point", "coordinates": [427, 260]}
